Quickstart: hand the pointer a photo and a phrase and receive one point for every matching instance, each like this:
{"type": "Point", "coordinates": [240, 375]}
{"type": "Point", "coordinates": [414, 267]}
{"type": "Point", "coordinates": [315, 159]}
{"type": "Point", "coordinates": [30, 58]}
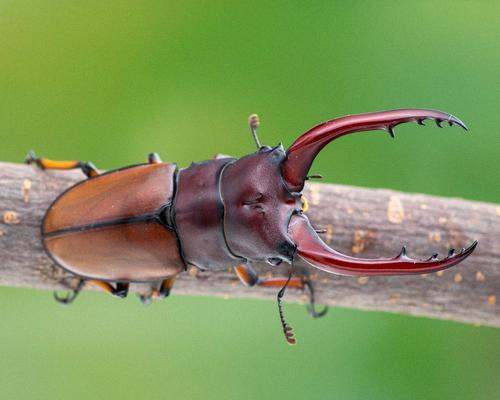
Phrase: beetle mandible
{"type": "Point", "coordinates": [147, 222]}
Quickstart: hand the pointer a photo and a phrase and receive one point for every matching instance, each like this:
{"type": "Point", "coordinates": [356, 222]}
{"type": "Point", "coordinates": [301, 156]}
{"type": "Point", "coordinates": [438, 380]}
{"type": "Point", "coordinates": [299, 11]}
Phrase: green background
{"type": "Point", "coordinates": [111, 82]}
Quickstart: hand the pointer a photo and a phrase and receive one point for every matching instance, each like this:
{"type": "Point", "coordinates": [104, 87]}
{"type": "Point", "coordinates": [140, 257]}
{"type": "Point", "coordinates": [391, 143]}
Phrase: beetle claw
{"type": "Point", "coordinates": [68, 299]}
{"type": "Point", "coordinates": [311, 309]}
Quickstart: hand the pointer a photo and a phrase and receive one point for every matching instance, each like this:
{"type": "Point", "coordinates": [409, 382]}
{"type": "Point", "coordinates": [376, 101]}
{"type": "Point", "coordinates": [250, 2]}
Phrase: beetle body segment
{"type": "Point", "coordinates": [199, 215]}
{"type": "Point", "coordinates": [113, 226]}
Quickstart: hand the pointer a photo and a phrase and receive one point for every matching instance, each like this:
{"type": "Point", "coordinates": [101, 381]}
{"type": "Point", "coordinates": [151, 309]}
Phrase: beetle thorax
{"type": "Point", "coordinates": [229, 211]}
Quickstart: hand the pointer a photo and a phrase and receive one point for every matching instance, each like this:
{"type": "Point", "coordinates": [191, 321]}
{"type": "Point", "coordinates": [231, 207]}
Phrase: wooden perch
{"type": "Point", "coordinates": [361, 222]}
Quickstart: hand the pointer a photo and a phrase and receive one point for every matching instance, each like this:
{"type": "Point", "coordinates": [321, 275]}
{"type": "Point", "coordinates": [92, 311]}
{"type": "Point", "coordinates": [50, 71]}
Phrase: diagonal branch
{"type": "Point", "coordinates": [361, 222]}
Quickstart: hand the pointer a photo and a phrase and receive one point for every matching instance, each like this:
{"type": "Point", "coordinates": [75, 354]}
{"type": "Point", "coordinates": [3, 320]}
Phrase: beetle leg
{"type": "Point", "coordinates": [87, 168]}
{"type": "Point", "coordinates": [121, 289]}
{"type": "Point", "coordinates": [165, 288]}
{"type": "Point", "coordinates": [161, 293]}
{"type": "Point", "coordinates": [71, 296]}
{"type": "Point", "coordinates": [154, 158]}
{"type": "Point", "coordinates": [249, 277]}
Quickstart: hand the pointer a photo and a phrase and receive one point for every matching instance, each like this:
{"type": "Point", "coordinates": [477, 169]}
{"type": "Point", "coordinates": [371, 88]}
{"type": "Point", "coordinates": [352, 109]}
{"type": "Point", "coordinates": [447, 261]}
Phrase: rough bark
{"type": "Point", "coordinates": [362, 222]}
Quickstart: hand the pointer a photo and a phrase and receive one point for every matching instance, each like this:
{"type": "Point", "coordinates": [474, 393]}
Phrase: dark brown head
{"type": "Point", "coordinates": [258, 207]}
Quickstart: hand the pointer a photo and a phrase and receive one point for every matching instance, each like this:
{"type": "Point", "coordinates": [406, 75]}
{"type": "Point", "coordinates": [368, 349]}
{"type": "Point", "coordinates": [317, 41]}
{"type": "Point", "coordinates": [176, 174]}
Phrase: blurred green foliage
{"type": "Point", "coordinates": [111, 82]}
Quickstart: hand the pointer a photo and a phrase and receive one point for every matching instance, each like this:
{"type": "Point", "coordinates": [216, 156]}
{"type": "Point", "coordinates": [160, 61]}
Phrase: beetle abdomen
{"type": "Point", "coordinates": [113, 226]}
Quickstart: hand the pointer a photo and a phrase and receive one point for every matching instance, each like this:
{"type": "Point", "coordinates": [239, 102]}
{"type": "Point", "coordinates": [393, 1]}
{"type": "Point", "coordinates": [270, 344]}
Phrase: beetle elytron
{"type": "Point", "coordinates": [146, 223]}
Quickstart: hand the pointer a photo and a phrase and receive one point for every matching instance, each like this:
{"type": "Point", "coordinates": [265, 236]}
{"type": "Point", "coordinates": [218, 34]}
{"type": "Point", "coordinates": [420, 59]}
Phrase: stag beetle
{"type": "Point", "coordinates": [147, 222]}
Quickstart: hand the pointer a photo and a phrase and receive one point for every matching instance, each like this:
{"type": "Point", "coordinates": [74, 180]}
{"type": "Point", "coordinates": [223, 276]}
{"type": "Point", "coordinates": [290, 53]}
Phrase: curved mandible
{"type": "Point", "coordinates": [302, 152]}
{"type": "Point", "coordinates": [314, 251]}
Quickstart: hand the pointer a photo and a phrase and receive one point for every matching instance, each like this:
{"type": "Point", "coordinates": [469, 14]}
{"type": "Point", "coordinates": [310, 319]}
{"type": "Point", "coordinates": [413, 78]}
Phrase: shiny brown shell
{"type": "Point", "coordinates": [114, 226]}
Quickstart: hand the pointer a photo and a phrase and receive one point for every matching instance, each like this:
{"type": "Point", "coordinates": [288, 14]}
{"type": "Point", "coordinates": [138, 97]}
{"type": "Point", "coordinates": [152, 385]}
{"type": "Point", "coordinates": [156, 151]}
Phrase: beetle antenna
{"type": "Point", "coordinates": [254, 122]}
{"type": "Point", "coordinates": [287, 329]}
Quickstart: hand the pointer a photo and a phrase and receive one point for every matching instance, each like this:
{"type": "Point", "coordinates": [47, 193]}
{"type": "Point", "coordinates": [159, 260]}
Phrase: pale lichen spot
{"type": "Point", "coordinates": [434, 236]}
{"type": "Point", "coordinates": [395, 210]}
{"type": "Point", "coordinates": [423, 275]}
{"type": "Point", "coordinates": [359, 241]}
{"type": "Point", "coordinates": [424, 206]}
{"type": "Point", "coordinates": [329, 233]}
{"type": "Point", "coordinates": [350, 211]}
{"type": "Point", "coordinates": [492, 300]}
{"type": "Point", "coordinates": [480, 276]}
{"type": "Point", "coordinates": [363, 280]}
{"type": "Point", "coordinates": [11, 218]}
{"type": "Point", "coordinates": [440, 273]}
{"type": "Point", "coordinates": [442, 220]}
{"type": "Point", "coordinates": [457, 278]}
{"type": "Point", "coordinates": [315, 196]}
{"type": "Point", "coordinates": [26, 190]}
{"type": "Point", "coordinates": [394, 298]}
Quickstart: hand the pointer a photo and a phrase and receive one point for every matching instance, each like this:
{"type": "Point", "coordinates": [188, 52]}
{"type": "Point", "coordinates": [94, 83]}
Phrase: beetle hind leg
{"type": "Point", "coordinates": [71, 296]}
{"type": "Point", "coordinates": [87, 167]}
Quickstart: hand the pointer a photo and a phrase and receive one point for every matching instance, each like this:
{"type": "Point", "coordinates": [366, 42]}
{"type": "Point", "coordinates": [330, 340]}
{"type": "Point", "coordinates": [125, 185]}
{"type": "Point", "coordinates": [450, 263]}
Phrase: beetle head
{"type": "Point", "coordinates": [258, 207]}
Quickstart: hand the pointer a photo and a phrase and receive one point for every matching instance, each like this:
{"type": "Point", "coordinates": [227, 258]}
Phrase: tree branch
{"type": "Point", "coordinates": [361, 222]}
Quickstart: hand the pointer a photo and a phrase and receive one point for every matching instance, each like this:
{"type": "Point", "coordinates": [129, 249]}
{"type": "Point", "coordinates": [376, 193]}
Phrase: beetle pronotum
{"type": "Point", "coordinates": [147, 222]}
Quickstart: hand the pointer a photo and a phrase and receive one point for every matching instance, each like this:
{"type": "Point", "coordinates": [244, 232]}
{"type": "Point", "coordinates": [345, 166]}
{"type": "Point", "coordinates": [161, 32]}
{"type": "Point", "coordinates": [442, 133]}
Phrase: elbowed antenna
{"type": "Point", "coordinates": [302, 152]}
{"type": "Point", "coordinates": [314, 251]}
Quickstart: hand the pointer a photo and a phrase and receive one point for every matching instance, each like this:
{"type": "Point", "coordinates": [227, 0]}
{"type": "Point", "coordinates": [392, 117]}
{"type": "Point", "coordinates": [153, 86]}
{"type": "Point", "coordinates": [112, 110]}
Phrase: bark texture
{"type": "Point", "coordinates": [360, 222]}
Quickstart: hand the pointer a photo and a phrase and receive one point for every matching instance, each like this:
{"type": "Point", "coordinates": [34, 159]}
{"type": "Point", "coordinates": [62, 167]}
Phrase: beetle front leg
{"type": "Point", "coordinates": [87, 168]}
{"type": "Point", "coordinates": [249, 277]}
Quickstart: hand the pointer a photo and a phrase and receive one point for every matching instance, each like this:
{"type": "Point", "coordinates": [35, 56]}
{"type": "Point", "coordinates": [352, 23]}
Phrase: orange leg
{"type": "Point", "coordinates": [121, 290]}
{"type": "Point", "coordinates": [249, 277]}
{"type": "Point", "coordinates": [44, 163]}
{"type": "Point", "coordinates": [159, 293]}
